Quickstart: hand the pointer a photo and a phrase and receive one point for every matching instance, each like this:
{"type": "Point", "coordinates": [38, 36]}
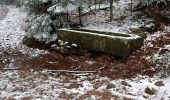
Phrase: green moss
{"type": "Point", "coordinates": [102, 32]}
{"type": "Point", "coordinates": [139, 32]}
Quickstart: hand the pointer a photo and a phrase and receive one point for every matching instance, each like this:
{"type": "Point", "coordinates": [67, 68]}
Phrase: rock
{"type": "Point", "coordinates": [125, 84]}
{"type": "Point", "coordinates": [78, 51]}
{"type": "Point", "coordinates": [74, 45]}
{"type": "Point", "coordinates": [64, 50]}
{"type": "Point", "coordinates": [116, 44]}
{"type": "Point", "coordinates": [110, 86]}
{"type": "Point", "coordinates": [139, 31]}
{"type": "Point", "coordinates": [150, 91]}
{"type": "Point", "coordinates": [54, 47]}
{"type": "Point", "coordinates": [90, 62]}
{"type": "Point", "coordinates": [159, 83]}
{"type": "Point", "coordinates": [34, 43]}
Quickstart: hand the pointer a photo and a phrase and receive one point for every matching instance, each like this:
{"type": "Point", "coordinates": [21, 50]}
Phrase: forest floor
{"type": "Point", "coordinates": [28, 73]}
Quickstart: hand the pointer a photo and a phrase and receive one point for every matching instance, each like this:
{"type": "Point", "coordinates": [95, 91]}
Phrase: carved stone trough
{"type": "Point", "coordinates": [116, 44]}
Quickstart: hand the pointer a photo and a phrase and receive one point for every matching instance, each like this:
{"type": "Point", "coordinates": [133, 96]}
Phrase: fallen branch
{"type": "Point", "coordinates": [13, 69]}
{"type": "Point", "coordinates": [68, 71]}
{"type": "Point", "coordinates": [64, 71]}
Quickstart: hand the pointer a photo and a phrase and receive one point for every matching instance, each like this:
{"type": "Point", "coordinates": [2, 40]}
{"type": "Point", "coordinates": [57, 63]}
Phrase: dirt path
{"type": "Point", "coordinates": [3, 11]}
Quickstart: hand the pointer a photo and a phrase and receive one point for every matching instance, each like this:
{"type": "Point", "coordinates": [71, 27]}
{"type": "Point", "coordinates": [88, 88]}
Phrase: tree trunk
{"type": "Point", "coordinates": [111, 10]}
{"type": "Point", "coordinates": [79, 11]}
{"type": "Point", "coordinates": [67, 17]}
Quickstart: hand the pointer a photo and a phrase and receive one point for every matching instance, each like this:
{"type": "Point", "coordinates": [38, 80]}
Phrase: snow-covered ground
{"type": "Point", "coordinates": [3, 12]}
{"type": "Point", "coordinates": [42, 85]}
{"type": "Point", "coordinates": [123, 20]}
{"type": "Point", "coordinates": [11, 32]}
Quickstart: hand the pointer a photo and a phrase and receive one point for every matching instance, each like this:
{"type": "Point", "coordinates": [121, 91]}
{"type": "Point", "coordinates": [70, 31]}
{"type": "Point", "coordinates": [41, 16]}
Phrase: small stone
{"type": "Point", "coordinates": [54, 47]}
{"type": "Point", "coordinates": [159, 83]}
{"type": "Point", "coordinates": [59, 41]}
{"type": "Point", "coordinates": [74, 45]}
{"type": "Point", "coordinates": [145, 96]}
{"type": "Point", "coordinates": [125, 83]}
{"type": "Point", "coordinates": [66, 43]}
{"type": "Point", "coordinates": [150, 91]}
{"type": "Point", "coordinates": [110, 86]}
{"type": "Point", "coordinates": [91, 62]}
{"type": "Point", "coordinates": [64, 50]}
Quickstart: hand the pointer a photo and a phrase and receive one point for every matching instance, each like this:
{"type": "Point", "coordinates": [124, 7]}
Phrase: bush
{"type": "Point", "coordinates": [40, 28]}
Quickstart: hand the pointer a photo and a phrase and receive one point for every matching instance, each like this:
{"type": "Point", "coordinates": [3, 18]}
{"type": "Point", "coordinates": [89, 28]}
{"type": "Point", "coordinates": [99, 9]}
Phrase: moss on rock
{"type": "Point", "coordinates": [116, 45]}
{"type": "Point", "coordinates": [139, 31]}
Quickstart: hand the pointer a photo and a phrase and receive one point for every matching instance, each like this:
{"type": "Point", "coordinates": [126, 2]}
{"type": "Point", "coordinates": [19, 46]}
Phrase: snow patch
{"type": "Point", "coordinates": [11, 31]}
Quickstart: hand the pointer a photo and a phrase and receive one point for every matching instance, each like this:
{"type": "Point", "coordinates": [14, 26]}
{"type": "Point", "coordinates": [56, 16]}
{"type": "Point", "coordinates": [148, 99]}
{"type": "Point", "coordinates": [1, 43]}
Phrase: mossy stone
{"type": "Point", "coordinates": [114, 44]}
{"type": "Point", "coordinates": [138, 31]}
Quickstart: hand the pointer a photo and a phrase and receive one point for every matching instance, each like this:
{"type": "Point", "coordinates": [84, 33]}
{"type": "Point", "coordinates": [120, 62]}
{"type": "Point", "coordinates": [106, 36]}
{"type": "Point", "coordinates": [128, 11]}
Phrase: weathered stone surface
{"type": "Point", "coordinates": [110, 43]}
{"type": "Point", "coordinates": [139, 31]}
{"type": "Point", "coordinates": [32, 42]}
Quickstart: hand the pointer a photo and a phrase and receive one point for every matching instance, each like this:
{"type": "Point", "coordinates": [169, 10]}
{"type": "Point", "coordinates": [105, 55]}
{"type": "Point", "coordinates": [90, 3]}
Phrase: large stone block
{"type": "Point", "coordinates": [116, 44]}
